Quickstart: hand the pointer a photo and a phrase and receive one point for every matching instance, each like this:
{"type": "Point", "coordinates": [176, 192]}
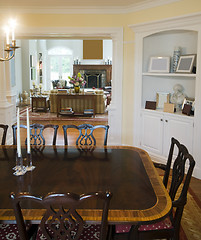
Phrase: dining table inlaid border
{"type": "Point", "coordinates": [160, 210]}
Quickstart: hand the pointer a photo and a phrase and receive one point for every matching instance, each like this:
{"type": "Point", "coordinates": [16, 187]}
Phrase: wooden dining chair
{"type": "Point", "coordinates": [176, 150]}
{"type": "Point", "coordinates": [61, 219]}
{"type": "Point", "coordinates": [86, 134]}
{"type": "Point", "coordinates": [5, 128]}
{"type": "Point", "coordinates": [178, 188]}
{"type": "Point", "coordinates": [36, 133]}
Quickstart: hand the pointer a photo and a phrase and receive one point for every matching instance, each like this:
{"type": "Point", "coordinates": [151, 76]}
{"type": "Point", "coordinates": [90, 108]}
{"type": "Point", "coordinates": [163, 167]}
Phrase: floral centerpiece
{"type": "Point", "coordinates": [77, 81]}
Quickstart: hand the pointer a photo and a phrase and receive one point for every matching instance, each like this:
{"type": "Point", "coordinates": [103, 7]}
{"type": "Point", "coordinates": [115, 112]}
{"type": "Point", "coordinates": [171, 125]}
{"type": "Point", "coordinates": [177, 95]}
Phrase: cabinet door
{"type": "Point", "coordinates": [152, 132]}
{"type": "Point", "coordinates": [179, 128]}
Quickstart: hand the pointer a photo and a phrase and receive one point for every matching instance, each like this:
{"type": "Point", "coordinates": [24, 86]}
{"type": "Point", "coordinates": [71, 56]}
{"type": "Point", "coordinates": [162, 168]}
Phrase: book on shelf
{"type": "Point", "coordinates": [68, 109]}
{"type": "Point", "coordinates": [88, 111]}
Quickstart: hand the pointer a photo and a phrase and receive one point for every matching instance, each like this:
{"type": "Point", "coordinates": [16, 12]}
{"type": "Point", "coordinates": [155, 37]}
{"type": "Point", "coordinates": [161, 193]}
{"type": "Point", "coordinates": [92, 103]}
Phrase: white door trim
{"type": "Point", "coordinates": [116, 34]}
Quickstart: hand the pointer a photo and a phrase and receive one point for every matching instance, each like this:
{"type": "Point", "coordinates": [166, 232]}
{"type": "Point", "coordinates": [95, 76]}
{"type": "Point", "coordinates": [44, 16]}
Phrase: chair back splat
{"type": "Point", "coordinates": [36, 133]}
{"type": "Point", "coordinates": [61, 219]}
{"type": "Point", "coordinates": [5, 128]}
{"type": "Point", "coordinates": [86, 134]}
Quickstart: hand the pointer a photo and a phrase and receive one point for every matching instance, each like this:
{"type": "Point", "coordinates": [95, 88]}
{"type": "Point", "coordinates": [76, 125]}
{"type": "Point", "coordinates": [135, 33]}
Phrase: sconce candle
{"type": "Point", "coordinates": [13, 34]}
{"type": "Point", "coordinates": [28, 133]}
{"type": "Point", "coordinates": [10, 47]}
{"type": "Point", "coordinates": [18, 133]}
{"type": "Point", "coordinates": [7, 36]}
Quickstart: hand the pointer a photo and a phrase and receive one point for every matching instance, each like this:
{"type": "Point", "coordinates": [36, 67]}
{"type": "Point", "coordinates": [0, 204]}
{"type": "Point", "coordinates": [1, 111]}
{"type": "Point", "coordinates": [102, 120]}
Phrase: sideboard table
{"type": "Point", "coordinates": [82, 98]}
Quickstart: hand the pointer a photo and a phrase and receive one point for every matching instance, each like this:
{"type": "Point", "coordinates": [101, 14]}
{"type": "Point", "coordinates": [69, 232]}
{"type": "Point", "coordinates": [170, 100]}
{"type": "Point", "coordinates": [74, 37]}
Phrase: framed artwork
{"type": "Point", "coordinates": [33, 73]}
{"type": "Point", "coordinates": [40, 56]}
{"type": "Point", "coordinates": [162, 98]}
{"type": "Point", "coordinates": [185, 64]}
{"type": "Point", "coordinates": [31, 60]}
{"type": "Point", "coordinates": [159, 64]}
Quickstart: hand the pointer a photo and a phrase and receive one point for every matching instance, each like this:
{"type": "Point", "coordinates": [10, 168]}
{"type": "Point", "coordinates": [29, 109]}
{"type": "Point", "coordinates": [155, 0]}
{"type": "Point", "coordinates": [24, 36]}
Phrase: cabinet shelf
{"type": "Point", "coordinates": [176, 114]}
{"type": "Point", "coordinates": [190, 75]}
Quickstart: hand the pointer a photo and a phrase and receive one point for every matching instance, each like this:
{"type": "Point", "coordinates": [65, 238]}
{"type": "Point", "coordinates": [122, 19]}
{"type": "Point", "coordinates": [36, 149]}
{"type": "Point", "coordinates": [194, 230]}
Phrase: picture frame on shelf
{"type": "Point", "coordinates": [169, 107]}
{"type": "Point", "coordinates": [187, 109]}
{"type": "Point", "coordinates": [159, 64]}
{"type": "Point", "coordinates": [161, 98]}
{"type": "Point", "coordinates": [189, 101]}
{"type": "Point", "coordinates": [150, 105]}
{"type": "Point", "coordinates": [185, 64]}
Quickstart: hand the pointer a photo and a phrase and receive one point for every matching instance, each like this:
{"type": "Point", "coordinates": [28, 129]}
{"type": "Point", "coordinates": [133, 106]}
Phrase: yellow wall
{"type": "Point", "coordinates": [183, 7]}
{"type": "Point", "coordinates": [179, 8]}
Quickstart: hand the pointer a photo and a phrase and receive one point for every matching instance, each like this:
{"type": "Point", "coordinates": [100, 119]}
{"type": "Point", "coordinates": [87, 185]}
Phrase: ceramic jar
{"type": "Point", "coordinates": [24, 96]}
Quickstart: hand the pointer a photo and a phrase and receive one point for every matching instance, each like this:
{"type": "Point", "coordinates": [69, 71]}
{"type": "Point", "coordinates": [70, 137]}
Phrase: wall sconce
{"type": "Point", "coordinates": [10, 47]}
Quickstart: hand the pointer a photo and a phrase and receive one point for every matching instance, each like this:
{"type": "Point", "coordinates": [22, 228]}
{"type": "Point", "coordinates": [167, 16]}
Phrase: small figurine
{"type": "Point", "coordinates": [178, 96]}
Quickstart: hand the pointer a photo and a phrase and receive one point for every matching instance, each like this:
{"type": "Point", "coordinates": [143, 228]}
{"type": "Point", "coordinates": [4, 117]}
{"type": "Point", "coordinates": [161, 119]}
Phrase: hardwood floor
{"type": "Point", "coordinates": [73, 134]}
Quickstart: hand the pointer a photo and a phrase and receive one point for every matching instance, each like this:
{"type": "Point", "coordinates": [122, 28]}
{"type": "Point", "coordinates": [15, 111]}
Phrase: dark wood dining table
{"type": "Point", "coordinates": [138, 192]}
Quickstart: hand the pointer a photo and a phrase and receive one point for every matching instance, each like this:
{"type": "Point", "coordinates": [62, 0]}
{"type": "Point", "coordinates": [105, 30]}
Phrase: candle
{"type": "Point", "coordinates": [7, 36]}
{"type": "Point", "coordinates": [18, 133]}
{"type": "Point", "coordinates": [12, 24]}
{"type": "Point", "coordinates": [13, 33]}
{"type": "Point", "coordinates": [28, 133]}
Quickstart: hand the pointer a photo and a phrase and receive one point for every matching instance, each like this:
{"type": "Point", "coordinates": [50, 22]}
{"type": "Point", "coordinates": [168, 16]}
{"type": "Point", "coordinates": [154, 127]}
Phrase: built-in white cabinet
{"type": "Point", "coordinates": [158, 128]}
{"type": "Point", "coordinates": [153, 129]}
{"type": "Point", "coordinates": [151, 138]}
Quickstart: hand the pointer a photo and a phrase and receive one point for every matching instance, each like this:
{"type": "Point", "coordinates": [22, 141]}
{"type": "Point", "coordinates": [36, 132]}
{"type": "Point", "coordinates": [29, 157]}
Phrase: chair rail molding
{"type": "Point", "coordinates": [114, 33]}
{"type": "Point", "coordinates": [192, 23]}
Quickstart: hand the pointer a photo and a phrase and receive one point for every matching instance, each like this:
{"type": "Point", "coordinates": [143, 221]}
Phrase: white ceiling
{"type": "Point", "coordinates": [83, 6]}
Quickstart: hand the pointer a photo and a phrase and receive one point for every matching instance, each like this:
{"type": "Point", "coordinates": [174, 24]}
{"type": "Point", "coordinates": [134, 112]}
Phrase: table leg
{"type": "Point", "coordinates": [32, 104]}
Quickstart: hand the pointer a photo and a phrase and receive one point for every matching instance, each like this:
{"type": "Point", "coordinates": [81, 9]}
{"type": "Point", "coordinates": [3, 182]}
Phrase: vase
{"type": "Point", "coordinates": [175, 59]}
{"type": "Point", "coordinates": [77, 89]}
{"type": "Point", "coordinates": [24, 96]}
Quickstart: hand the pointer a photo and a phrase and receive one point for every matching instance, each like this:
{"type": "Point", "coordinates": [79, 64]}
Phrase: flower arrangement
{"type": "Point", "coordinates": [77, 81]}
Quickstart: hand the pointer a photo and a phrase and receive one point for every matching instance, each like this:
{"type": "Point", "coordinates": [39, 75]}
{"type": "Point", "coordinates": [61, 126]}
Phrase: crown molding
{"type": "Point", "coordinates": [181, 22]}
{"type": "Point", "coordinates": [87, 9]}
{"type": "Point", "coordinates": [148, 4]}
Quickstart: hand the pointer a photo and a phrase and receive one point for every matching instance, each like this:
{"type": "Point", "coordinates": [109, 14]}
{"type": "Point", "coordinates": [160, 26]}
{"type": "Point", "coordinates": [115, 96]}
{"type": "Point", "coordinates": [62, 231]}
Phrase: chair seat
{"type": "Point", "coordinates": [164, 224]}
{"type": "Point", "coordinates": [90, 232]}
{"type": "Point", "coordinates": [9, 231]}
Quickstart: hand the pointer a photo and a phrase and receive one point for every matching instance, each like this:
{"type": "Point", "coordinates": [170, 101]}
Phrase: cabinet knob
{"type": "Point", "coordinates": [166, 120]}
{"type": "Point", "coordinates": [161, 119]}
